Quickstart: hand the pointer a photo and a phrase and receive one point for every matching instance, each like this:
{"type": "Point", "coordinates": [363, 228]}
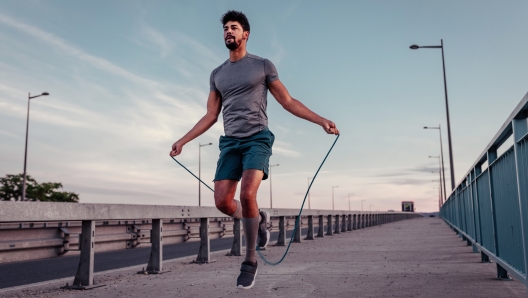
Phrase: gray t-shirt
{"type": "Point", "coordinates": [243, 86]}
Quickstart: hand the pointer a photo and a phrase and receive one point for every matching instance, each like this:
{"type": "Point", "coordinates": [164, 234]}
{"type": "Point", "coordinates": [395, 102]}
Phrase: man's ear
{"type": "Point", "coordinates": [246, 35]}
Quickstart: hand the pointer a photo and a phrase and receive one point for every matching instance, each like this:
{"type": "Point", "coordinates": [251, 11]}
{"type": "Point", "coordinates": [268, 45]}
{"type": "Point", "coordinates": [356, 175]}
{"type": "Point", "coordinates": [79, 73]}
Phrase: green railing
{"type": "Point", "coordinates": [489, 207]}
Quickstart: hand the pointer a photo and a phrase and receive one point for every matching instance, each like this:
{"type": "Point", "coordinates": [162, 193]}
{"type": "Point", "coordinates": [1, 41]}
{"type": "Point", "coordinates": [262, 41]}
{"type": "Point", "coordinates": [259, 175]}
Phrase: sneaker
{"type": "Point", "coordinates": [248, 272]}
{"type": "Point", "coordinates": [263, 232]}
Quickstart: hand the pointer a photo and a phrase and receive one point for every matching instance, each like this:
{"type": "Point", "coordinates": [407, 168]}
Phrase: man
{"type": "Point", "coordinates": [240, 85]}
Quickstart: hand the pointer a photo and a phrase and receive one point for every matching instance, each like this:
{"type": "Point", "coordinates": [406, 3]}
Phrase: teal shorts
{"type": "Point", "coordinates": [240, 154]}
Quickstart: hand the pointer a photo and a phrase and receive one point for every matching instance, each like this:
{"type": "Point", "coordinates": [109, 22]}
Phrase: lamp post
{"type": "Point", "coordinates": [441, 46]}
{"type": "Point", "coordinates": [271, 201]}
{"type": "Point", "coordinates": [439, 174]}
{"type": "Point", "coordinates": [349, 200]}
{"type": "Point", "coordinates": [442, 155]}
{"type": "Point", "coordinates": [25, 151]}
{"type": "Point", "coordinates": [200, 171]}
{"type": "Point", "coordinates": [333, 195]}
{"type": "Point", "coordinates": [309, 204]}
{"type": "Point", "coordinates": [362, 204]}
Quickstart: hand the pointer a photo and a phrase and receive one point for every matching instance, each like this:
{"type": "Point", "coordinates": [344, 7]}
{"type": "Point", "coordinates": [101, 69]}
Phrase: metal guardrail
{"type": "Point", "coordinates": [23, 227]}
{"type": "Point", "coordinates": [489, 207]}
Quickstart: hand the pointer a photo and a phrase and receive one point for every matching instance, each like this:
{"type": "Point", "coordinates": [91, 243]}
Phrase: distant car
{"type": "Point", "coordinates": [390, 211]}
{"type": "Point", "coordinates": [432, 215]}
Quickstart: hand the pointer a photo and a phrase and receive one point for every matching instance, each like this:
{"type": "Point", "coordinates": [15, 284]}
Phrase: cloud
{"type": "Point", "coordinates": [280, 148]}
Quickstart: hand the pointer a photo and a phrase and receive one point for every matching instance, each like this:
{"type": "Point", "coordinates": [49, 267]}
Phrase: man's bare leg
{"type": "Point", "coordinates": [250, 212]}
{"type": "Point", "coordinates": [224, 199]}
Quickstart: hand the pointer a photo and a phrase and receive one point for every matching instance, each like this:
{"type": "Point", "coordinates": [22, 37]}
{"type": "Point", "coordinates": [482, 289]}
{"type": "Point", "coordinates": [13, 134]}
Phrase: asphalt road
{"type": "Point", "coordinates": [28, 272]}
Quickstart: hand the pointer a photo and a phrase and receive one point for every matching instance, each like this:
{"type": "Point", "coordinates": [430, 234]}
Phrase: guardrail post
{"type": "Point", "coordinates": [310, 235]}
{"type": "Point", "coordinates": [204, 254]}
{"type": "Point", "coordinates": [349, 226]}
{"type": "Point", "coordinates": [344, 224]}
{"type": "Point", "coordinates": [236, 249]}
{"type": "Point", "coordinates": [354, 222]}
{"type": "Point", "coordinates": [282, 232]}
{"type": "Point", "coordinates": [336, 226]}
{"type": "Point", "coordinates": [155, 263]}
{"type": "Point", "coordinates": [298, 226]}
{"type": "Point", "coordinates": [320, 231]}
{"type": "Point", "coordinates": [84, 276]}
{"type": "Point", "coordinates": [362, 221]}
{"type": "Point", "coordinates": [329, 226]}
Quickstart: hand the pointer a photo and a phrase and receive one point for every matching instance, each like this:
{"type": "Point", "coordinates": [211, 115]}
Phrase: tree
{"type": "Point", "coordinates": [11, 190]}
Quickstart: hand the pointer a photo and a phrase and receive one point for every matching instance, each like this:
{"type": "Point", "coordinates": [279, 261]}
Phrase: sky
{"type": "Point", "coordinates": [129, 78]}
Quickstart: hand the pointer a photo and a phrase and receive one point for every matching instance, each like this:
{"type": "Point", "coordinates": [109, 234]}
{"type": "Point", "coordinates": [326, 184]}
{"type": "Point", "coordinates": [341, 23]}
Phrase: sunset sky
{"type": "Point", "coordinates": [128, 78]}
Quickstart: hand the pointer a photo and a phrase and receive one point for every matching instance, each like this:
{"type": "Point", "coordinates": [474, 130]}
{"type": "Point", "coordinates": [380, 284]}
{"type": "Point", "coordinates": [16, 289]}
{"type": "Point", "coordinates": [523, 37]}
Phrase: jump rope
{"type": "Point", "coordinates": [300, 211]}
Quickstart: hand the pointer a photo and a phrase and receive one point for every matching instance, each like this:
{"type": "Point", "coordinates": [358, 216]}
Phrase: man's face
{"type": "Point", "coordinates": [234, 35]}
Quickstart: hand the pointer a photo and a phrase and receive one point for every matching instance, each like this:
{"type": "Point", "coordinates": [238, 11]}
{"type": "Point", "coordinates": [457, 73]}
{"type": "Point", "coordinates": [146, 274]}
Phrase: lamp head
{"type": "Point", "coordinates": [45, 93]}
{"type": "Point", "coordinates": [414, 47]}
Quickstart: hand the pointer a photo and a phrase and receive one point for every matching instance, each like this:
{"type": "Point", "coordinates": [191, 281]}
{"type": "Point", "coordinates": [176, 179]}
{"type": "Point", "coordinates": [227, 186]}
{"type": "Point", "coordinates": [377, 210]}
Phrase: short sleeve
{"type": "Point", "coordinates": [212, 85]}
{"type": "Point", "coordinates": [271, 71]}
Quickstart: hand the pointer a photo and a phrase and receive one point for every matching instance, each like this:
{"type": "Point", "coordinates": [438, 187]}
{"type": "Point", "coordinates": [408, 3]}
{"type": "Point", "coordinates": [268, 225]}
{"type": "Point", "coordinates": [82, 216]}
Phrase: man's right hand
{"type": "Point", "coordinates": [176, 148]}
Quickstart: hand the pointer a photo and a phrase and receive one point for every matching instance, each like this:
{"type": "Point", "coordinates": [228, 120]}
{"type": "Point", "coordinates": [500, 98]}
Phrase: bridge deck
{"type": "Point", "coordinates": [411, 258]}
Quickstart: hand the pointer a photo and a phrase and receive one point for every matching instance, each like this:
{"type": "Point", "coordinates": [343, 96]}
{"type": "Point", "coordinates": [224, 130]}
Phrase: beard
{"type": "Point", "coordinates": [233, 45]}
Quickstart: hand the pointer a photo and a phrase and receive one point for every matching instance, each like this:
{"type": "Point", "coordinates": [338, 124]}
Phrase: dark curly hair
{"type": "Point", "coordinates": [236, 16]}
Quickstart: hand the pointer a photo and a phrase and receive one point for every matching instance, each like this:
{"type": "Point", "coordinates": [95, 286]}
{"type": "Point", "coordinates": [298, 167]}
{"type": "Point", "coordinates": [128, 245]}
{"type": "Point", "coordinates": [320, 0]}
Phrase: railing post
{"type": "Point", "coordinates": [492, 156]}
{"type": "Point", "coordinates": [354, 222]}
{"type": "Point", "coordinates": [520, 129]}
{"type": "Point", "coordinates": [484, 258]}
{"type": "Point", "coordinates": [155, 263]}
{"type": "Point", "coordinates": [297, 237]}
{"type": "Point", "coordinates": [329, 226]}
{"type": "Point", "coordinates": [502, 273]}
{"type": "Point", "coordinates": [343, 224]}
{"type": "Point", "coordinates": [349, 227]}
{"type": "Point", "coordinates": [320, 231]}
{"type": "Point", "coordinates": [84, 276]}
{"type": "Point", "coordinates": [336, 226]}
{"type": "Point", "coordinates": [281, 241]}
{"type": "Point", "coordinates": [310, 235]}
{"type": "Point", "coordinates": [204, 253]}
{"type": "Point", "coordinates": [236, 248]}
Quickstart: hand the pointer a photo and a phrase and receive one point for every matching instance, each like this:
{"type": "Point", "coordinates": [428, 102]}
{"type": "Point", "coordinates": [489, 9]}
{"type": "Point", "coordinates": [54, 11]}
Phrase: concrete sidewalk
{"type": "Point", "coordinates": [411, 258]}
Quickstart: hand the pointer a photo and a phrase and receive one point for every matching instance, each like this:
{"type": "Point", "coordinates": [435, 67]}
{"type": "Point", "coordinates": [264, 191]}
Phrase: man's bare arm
{"type": "Point", "coordinates": [214, 106]}
{"type": "Point", "coordinates": [295, 107]}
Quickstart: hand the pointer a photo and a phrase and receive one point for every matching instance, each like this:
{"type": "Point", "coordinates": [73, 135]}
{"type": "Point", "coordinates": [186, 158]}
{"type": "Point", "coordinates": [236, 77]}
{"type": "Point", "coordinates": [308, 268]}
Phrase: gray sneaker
{"type": "Point", "coordinates": [248, 272]}
{"type": "Point", "coordinates": [263, 232]}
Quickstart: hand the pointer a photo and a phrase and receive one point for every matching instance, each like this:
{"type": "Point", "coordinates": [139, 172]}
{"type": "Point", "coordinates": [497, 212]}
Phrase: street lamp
{"type": "Point", "coordinates": [362, 204]}
{"type": "Point", "coordinates": [441, 46]}
{"type": "Point", "coordinates": [309, 205]}
{"type": "Point", "coordinates": [442, 155]}
{"type": "Point", "coordinates": [25, 151]}
{"type": "Point", "coordinates": [200, 171]}
{"type": "Point", "coordinates": [271, 202]}
{"type": "Point", "coordinates": [333, 195]}
{"type": "Point", "coordinates": [440, 174]}
{"type": "Point", "coordinates": [349, 200]}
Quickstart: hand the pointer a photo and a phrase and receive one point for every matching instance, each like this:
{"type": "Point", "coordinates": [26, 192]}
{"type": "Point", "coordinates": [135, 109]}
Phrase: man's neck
{"type": "Point", "coordinates": [237, 54]}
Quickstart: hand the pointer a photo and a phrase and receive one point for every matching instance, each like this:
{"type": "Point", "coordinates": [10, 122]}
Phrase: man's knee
{"type": "Point", "coordinates": [224, 205]}
{"type": "Point", "coordinates": [247, 197]}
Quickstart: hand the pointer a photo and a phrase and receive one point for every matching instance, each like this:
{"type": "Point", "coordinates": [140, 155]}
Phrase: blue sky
{"type": "Point", "coordinates": [128, 78]}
